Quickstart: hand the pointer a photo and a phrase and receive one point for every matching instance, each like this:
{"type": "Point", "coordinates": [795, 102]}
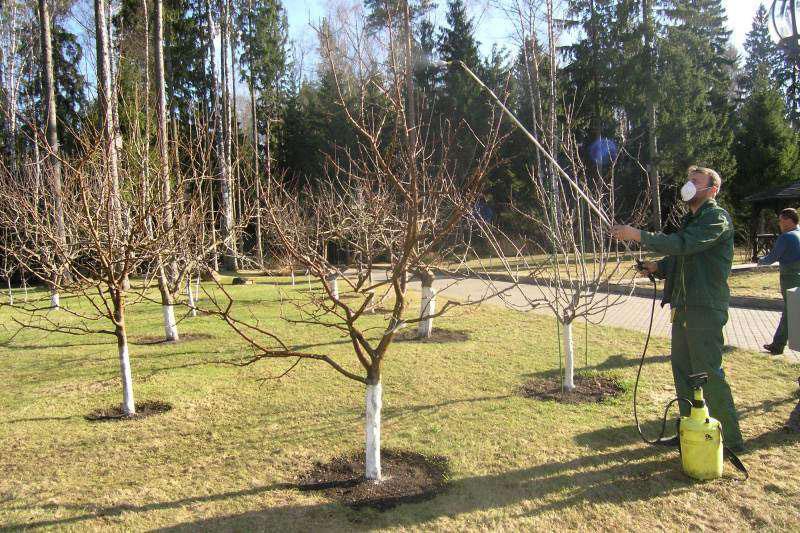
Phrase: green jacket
{"type": "Point", "coordinates": [699, 259]}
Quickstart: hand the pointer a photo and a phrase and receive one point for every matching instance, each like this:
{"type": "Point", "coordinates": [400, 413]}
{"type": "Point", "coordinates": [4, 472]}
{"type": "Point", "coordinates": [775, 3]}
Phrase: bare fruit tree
{"type": "Point", "coordinates": [100, 255]}
{"type": "Point", "coordinates": [393, 204]}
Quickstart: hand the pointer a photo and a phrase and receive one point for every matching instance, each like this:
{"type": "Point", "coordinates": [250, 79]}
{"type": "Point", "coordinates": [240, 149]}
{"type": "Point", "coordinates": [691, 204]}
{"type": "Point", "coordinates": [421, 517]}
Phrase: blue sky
{"type": "Point", "coordinates": [492, 24]}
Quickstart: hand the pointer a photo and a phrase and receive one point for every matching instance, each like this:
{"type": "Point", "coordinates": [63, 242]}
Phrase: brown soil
{"type": "Point", "coordinates": [184, 337]}
{"type": "Point", "coordinates": [143, 409]}
{"type": "Point", "coordinates": [407, 477]}
{"type": "Point", "coordinates": [437, 336]}
{"type": "Point", "coordinates": [588, 389]}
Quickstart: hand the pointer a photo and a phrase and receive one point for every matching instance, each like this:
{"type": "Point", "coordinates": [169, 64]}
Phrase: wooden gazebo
{"type": "Point", "coordinates": [776, 198]}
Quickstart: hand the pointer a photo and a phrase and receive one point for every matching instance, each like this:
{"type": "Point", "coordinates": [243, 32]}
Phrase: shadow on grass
{"type": "Point", "coordinates": [41, 419]}
{"type": "Point", "coordinates": [613, 362]}
{"type": "Point", "coordinates": [104, 512]}
{"type": "Point", "coordinates": [614, 477]}
{"type": "Point", "coordinates": [13, 346]}
{"type": "Point", "coordinates": [587, 480]}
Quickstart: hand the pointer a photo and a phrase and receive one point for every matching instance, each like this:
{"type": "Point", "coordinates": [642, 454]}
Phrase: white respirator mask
{"type": "Point", "coordinates": [689, 191]}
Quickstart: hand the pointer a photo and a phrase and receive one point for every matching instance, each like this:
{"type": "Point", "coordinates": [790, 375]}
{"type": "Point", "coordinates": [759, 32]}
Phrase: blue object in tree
{"type": "Point", "coordinates": [603, 150]}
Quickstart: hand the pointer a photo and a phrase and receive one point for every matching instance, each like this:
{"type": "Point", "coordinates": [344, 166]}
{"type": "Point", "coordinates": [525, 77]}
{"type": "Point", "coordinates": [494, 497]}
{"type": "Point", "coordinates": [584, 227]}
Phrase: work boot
{"type": "Point", "coordinates": [774, 350]}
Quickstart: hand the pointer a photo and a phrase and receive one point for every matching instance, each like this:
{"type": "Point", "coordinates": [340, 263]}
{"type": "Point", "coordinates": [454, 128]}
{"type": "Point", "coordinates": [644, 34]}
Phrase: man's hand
{"type": "Point", "coordinates": [648, 267]}
{"type": "Point", "coordinates": [626, 233]}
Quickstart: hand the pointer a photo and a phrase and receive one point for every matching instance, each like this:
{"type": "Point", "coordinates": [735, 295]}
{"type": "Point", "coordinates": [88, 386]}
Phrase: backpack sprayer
{"type": "Point", "coordinates": [699, 436]}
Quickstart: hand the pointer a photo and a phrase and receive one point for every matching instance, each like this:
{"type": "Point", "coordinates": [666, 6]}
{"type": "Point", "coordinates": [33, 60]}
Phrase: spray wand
{"type": "Point", "coordinates": [604, 218]}
{"type": "Point", "coordinates": [533, 139]}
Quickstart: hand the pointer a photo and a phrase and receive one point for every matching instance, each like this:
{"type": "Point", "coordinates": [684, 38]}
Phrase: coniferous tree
{"type": "Point", "coordinates": [461, 102]}
{"type": "Point", "coordinates": [695, 72]}
{"type": "Point", "coordinates": [766, 147]}
{"type": "Point", "coordinates": [763, 60]}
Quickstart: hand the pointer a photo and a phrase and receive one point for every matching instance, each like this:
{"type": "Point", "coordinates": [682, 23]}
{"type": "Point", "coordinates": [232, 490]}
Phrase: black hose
{"type": "Point", "coordinates": [660, 439]}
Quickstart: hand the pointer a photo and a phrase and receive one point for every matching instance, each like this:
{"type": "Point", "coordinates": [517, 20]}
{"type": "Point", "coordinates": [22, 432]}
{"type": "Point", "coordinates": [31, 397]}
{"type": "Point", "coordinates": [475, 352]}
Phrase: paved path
{"type": "Point", "coordinates": [746, 328]}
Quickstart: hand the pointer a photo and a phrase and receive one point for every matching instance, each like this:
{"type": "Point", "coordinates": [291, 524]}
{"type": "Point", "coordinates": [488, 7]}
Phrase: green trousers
{"type": "Point", "coordinates": [790, 278]}
{"type": "Point", "coordinates": [697, 344]}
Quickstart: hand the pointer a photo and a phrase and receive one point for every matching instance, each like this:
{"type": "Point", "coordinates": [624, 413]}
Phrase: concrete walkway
{"type": "Point", "coordinates": [746, 328]}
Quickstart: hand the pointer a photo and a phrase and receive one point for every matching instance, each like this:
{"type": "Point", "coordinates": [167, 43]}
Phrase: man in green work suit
{"type": "Point", "coordinates": [696, 269]}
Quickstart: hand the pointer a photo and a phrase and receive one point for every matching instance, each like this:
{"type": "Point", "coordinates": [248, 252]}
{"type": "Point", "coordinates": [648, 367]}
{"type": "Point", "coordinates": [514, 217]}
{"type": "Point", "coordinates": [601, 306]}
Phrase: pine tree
{"type": "Point", "coordinates": [766, 146]}
{"type": "Point", "coordinates": [695, 89]}
{"type": "Point", "coordinates": [461, 102]}
{"type": "Point", "coordinates": [763, 57]}
{"type": "Point", "coordinates": [264, 33]}
{"type": "Point", "coordinates": [593, 57]}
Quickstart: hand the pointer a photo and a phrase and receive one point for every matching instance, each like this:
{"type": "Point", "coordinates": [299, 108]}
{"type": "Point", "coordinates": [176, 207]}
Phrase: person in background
{"type": "Point", "coordinates": [786, 252]}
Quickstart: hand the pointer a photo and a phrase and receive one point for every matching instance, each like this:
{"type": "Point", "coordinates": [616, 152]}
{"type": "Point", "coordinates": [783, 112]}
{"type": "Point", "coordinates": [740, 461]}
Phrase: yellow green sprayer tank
{"type": "Point", "coordinates": [701, 440]}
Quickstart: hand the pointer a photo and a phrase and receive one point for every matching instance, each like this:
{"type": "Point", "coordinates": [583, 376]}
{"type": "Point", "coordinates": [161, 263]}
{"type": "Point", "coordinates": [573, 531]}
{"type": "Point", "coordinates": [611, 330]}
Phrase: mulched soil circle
{"type": "Point", "coordinates": [588, 389]}
{"type": "Point", "coordinates": [143, 409]}
{"type": "Point", "coordinates": [407, 477]}
{"type": "Point", "coordinates": [437, 336]}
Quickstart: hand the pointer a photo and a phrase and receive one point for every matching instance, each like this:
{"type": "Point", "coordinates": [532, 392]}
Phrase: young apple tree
{"type": "Point", "coordinates": [395, 199]}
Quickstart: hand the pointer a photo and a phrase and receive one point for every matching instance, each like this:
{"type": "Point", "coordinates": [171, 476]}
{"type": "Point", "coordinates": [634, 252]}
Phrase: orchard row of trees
{"type": "Point", "coordinates": [658, 77]}
{"type": "Point", "coordinates": [199, 142]}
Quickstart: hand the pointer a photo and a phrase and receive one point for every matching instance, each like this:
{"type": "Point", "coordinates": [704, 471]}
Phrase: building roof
{"type": "Point", "coordinates": [790, 191]}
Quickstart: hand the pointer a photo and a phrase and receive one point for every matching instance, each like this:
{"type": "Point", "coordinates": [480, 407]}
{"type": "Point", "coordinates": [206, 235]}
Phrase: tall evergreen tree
{"type": "Point", "coordinates": [461, 102]}
{"type": "Point", "coordinates": [593, 58]}
{"type": "Point", "coordinates": [695, 89]}
{"type": "Point", "coordinates": [766, 146]}
{"type": "Point", "coordinates": [763, 60]}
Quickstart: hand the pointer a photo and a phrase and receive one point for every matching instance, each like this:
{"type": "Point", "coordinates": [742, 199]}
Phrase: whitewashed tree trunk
{"type": "Point", "coordinates": [333, 284]}
{"type": "Point", "coordinates": [372, 425]}
{"type": "Point", "coordinates": [10, 293]}
{"type": "Point", "coordinates": [190, 296]}
{"type": "Point", "coordinates": [197, 289]}
{"type": "Point", "coordinates": [128, 406]}
{"type": "Point", "coordinates": [569, 357]}
{"type": "Point", "coordinates": [427, 308]}
{"type": "Point", "coordinates": [292, 276]}
{"type": "Point", "coordinates": [170, 325]}
{"type": "Point", "coordinates": [55, 300]}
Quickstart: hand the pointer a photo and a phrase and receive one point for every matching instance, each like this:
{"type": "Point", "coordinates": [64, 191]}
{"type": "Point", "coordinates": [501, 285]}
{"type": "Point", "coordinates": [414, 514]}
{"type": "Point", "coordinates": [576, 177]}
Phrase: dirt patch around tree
{"type": "Point", "coordinates": [407, 477]}
{"type": "Point", "coordinates": [438, 335]}
{"type": "Point", "coordinates": [143, 409]}
{"type": "Point", "coordinates": [588, 389]}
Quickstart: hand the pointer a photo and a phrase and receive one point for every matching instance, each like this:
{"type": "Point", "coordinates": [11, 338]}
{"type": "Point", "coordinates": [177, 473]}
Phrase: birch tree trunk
{"type": "Point", "coordinates": [12, 85]}
{"type": "Point", "coordinates": [372, 425]}
{"type": "Point", "coordinates": [552, 137]}
{"type": "Point", "coordinates": [53, 156]}
{"type": "Point", "coordinates": [229, 248]}
{"type": "Point", "coordinates": [166, 271]}
{"type": "Point", "coordinates": [256, 176]}
{"type": "Point", "coordinates": [652, 145]}
{"type": "Point", "coordinates": [569, 357]}
{"type": "Point", "coordinates": [217, 120]}
{"type": "Point", "coordinates": [106, 107]}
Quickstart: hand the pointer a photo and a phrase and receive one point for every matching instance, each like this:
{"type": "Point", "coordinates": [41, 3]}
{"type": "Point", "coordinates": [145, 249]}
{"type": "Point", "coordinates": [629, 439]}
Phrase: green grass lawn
{"type": "Point", "coordinates": [226, 455]}
{"type": "Point", "coordinates": [758, 284]}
